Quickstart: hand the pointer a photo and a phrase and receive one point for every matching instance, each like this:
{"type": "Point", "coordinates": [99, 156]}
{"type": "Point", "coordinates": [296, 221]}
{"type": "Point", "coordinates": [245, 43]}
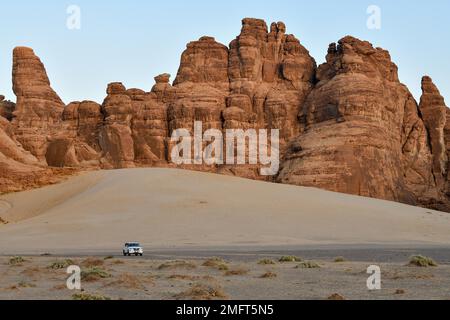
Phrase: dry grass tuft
{"type": "Point", "coordinates": [336, 297]}
{"type": "Point", "coordinates": [216, 263]}
{"type": "Point", "coordinates": [182, 277]}
{"type": "Point", "coordinates": [127, 281]}
{"type": "Point", "coordinates": [266, 262]}
{"type": "Point", "coordinates": [60, 287]}
{"type": "Point", "coordinates": [268, 275]}
{"type": "Point", "coordinates": [202, 291]}
{"type": "Point", "coordinates": [92, 262]}
{"type": "Point", "coordinates": [236, 272]}
{"type": "Point", "coordinates": [23, 284]}
{"type": "Point", "coordinates": [179, 264]}
{"type": "Point", "coordinates": [86, 296]}
{"type": "Point", "coordinates": [31, 272]}
{"type": "Point", "coordinates": [339, 259]}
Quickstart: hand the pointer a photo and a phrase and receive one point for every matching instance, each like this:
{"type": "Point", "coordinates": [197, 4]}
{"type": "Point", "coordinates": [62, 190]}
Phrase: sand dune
{"type": "Point", "coordinates": [165, 208]}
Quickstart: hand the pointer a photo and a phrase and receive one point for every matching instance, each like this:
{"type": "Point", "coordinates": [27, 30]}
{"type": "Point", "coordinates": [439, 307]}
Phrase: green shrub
{"type": "Point", "coordinates": [63, 264]}
{"type": "Point", "coordinates": [308, 265]}
{"type": "Point", "coordinates": [94, 274]}
{"type": "Point", "coordinates": [216, 263]}
{"type": "Point", "coordinates": [290, 259]}
{"type": "Point", "coordinates": [421, 261]}
{"type": "Point", "coordinates": [16, 261]}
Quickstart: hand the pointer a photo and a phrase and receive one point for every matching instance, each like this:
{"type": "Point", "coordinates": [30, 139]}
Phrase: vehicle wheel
{"type": "Point", "coordinates": [136, 254]}
{"type": "Point", "coordinates": [141, 254]}
{"type": "Point", "coordinates": [124, 254]}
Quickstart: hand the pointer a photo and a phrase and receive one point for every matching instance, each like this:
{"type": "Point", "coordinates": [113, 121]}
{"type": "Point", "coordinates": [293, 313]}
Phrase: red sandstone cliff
{"type": "Point", "coordinates": [348, 125]}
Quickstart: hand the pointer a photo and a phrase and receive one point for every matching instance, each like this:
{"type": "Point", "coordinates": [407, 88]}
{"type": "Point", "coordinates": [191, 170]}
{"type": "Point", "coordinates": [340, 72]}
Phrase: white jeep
{"type": "Point", "coordinates": [133, 248]}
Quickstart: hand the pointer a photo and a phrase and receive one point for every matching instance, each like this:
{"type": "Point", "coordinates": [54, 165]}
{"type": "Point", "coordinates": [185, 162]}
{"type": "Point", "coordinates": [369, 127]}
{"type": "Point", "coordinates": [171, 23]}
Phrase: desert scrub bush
{"type": "Point", "coordinates": [127, 281]}
{"type": "Point", "coordinates": [201, 291]}
{"type": "Point", "coordinates": [86, 296]}
{"type": "Point", "coordinates": [182, 277]}
{"type": "Point", "coordinates": [268, 275]}
{"type": "Point", "coordinates": [236, 272]}
{"type": "Point", "coordinates": [23, 284]}
{"type": "Point", "coordinates": [92, 262]}
{"type": "Point", "coordinates": [15, 261]}
{"type": "Point", "coordinates": [307, 265]}
{"type": "Point", "coordinates": [290, 259]}
{"type": "Point", "coordinates": [108, 258]}
{"type": "Point", "coordinates": [266, 261]}
{"type": "Point", "coordinates": [94, 274]}
{"type": "Point", "coordinates": [339, 259]}
{"type": "Point", "coordinates": [216, 263]}
{"type": "Point", "coordinates": [179, 264]}
{"type": "Point", "coordinates": [422, 261]}
{"type": "Point", "coordinates": [62, 264]}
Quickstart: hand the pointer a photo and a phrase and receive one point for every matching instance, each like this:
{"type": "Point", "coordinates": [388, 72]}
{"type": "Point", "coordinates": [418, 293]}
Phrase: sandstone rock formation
{"type": "Point", "coordinates": [38, 107]}
{"type": "Point", "coordinates": [362, 130]}
{"type": "Point", "coordinates": [434, 113]}
{"type": "Point", "coordinates": [6, 108]}
{"type": "Point", "coordinates": [348, 125]}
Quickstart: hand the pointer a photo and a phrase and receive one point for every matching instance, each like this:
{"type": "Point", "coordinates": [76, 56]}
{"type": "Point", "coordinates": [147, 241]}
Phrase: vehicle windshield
{"type": "Point", "coordinates": [134, 244]}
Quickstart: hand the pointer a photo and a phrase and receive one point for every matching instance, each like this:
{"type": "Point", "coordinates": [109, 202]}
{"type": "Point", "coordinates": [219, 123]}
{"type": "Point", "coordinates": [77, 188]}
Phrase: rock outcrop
{"type": "Point", "coordinates": [38, 108]}
{"type": "Point", "coordinates": [362, 131]}
{"type": "Point", "coordinates": [348, 125]}
{"type": "Point", "coordinates": [6, 108]}
{"type": "Point", "coordinates": [434, 113]}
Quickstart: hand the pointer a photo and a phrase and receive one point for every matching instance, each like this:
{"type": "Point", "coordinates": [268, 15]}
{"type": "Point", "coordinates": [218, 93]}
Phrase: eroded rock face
{"type": "Point", "coordinates": [115, 136]}
{"type": "Point", "coordinates": [149, 125]}
{"type": "Point", "coordinates": [362, 131]}
{"type": "Point", "coordinates": [204, 61]}
{"type": "Point", "coordinates": [77, 143]}
{"type": "Point", "coordinates": [270, 74]}
{"type": "Point", "coordinates": [348, 125]}
{"type": "Point", "coordinates": [38, 108]}
{"type": "Point", "coordinates": [6, 108]}
{"type": "Point", "coordinates": [434, 113]}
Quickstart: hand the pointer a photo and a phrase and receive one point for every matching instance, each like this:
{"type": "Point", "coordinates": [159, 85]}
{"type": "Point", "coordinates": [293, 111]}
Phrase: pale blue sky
{"type": "Point", "coordinates": [132, 41]}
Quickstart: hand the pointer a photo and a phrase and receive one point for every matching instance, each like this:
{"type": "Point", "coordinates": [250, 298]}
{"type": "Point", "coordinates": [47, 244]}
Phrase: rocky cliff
{"type": "Point", "coordinates": [348, 125]}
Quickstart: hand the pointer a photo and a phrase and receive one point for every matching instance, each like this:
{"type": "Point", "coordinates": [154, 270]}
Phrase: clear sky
{"type": "Point", "coordinates": [132, 41]}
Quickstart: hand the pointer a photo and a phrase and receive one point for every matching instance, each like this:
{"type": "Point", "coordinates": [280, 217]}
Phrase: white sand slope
{"type": "Point", "coordinates": [165, 208]}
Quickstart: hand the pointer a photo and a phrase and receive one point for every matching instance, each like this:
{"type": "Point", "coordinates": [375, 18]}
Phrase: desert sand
{"type": "Point", "coordinates": [175, 209]}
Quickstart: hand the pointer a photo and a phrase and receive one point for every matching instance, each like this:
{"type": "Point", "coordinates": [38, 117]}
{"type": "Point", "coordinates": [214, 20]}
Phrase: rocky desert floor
{"type": "Point", "coordinates": [183, 219]}
{"type": "Point", "coordinates": [44, 278]}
